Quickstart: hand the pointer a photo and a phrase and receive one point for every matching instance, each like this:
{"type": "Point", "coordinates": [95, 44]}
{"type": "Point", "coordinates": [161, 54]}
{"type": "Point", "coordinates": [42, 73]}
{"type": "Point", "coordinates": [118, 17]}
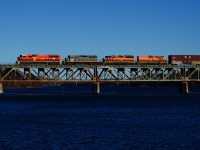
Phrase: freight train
{"type": "Point", "coordinates": [120, 59]}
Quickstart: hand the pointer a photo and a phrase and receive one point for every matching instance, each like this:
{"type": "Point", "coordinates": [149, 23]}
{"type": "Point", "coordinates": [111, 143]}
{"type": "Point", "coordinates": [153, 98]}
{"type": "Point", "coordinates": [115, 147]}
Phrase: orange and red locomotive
{"type": "Point", "coordinates": [151, 60]}
{"type": "Point", "coordinates": [37, 58]}
{"type": "Point", "coordinates": [119, 59]}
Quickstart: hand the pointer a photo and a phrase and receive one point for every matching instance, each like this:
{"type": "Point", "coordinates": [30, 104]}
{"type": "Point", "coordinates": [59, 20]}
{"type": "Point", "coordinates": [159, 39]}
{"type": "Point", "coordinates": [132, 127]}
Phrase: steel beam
{"type": "Point", "coordinates": [1, 88]}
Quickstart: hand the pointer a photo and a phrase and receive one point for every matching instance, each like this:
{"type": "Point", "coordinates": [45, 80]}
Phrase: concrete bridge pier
{"type": "Point", "coordinates": [96, 88]}
{"type": "Point", "coordinates": [184, 87]}
{"type": "Point", "coordinates": [1, 88]}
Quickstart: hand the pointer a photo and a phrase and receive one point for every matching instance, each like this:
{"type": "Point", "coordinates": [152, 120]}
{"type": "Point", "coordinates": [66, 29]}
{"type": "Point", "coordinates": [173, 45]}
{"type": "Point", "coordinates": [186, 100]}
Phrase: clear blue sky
{"type": "Point", "coordinates": [101, 27]}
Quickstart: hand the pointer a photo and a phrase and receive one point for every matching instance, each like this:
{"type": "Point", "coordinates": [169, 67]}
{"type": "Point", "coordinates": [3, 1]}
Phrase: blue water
{"type": "Point", "coordinates": [72, 117]}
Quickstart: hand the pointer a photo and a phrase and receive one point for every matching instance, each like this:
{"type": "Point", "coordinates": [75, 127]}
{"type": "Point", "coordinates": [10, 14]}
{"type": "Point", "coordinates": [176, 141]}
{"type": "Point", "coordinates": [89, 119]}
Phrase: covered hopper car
{"type": "Point", "coordinates": [184, 59]}
{"type": "Point", "coordinates": [119, 59]}
{"type": "Point", "coordinates": [155, 60]}
{"type": "Point", "coordinates": [38, 59]}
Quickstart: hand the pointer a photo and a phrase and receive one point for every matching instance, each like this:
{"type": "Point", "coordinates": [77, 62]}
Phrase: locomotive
{"type": "Point", "coordinates": [55, 59]}
{"type": "Point", "coordinates": [154, 60]}
{"type": "Point", "coordinates": [81, 58]}
{"type": "Point", "coordinates": [38, 59]}
{"type": "Point", "coordinates": [119, 59]}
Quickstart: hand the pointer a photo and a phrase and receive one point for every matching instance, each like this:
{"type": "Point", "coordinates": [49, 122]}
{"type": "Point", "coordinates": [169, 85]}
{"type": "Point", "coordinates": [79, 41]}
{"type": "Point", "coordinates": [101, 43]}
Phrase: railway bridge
{"type": "Point", "coordinates": [98, 73]}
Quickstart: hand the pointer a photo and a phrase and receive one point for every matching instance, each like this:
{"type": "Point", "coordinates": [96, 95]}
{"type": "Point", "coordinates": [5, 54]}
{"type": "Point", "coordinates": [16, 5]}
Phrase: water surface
{"type": "Point", "coordinates": [118, 118]}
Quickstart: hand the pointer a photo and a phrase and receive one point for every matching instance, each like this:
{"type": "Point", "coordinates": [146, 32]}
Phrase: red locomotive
{"type": "Point", "coordinates": [37, 58]}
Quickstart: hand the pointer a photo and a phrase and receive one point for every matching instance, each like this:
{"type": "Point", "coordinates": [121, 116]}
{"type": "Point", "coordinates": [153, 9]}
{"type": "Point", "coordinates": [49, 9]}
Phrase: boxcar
{"type": "Point", "coordinates": [151, 60]}
{"type": "Point", "coordinates": [184, 59]}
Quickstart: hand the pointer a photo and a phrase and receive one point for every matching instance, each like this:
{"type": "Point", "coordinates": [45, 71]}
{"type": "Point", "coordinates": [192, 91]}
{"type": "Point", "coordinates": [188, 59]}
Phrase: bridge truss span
{"type": "Point", "coordinates": [98, 73]}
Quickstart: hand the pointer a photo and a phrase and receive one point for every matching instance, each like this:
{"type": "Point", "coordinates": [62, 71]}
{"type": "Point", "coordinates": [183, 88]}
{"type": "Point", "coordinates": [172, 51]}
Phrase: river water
{"type": "Point", "coordinates": [121, 117]}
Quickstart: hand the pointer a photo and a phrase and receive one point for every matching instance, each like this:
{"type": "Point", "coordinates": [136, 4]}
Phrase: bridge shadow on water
{"type": "Point", "coordinates": [105, 90]}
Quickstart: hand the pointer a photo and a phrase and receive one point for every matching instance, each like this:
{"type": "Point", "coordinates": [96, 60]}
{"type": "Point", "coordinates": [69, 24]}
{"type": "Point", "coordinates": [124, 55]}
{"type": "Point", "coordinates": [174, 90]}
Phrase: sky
{"type": "Point", "coordinates": [98, 27]}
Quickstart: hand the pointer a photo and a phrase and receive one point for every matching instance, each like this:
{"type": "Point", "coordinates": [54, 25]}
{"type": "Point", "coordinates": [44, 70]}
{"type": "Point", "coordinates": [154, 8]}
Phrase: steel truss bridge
{"type": "Point", "coordinates": [99, 73]}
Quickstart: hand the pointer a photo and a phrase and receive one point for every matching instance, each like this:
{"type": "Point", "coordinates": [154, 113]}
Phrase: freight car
{"type": "Point", "coordinates": [119, 59]}
{"type": "Point", "coordinates": [38, 59]}
{"type": "Point", "coordinates": [184, 59]}
{"type": "Point", "coordinates": [152, 60]}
